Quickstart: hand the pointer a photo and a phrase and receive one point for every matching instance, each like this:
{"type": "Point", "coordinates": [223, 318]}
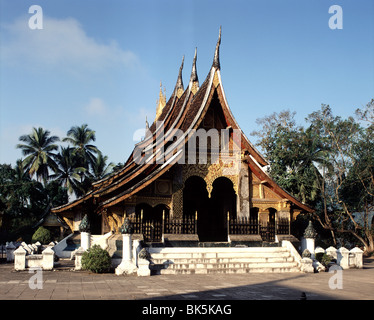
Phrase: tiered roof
{"type": "Point", "coordinates": [184, 111]}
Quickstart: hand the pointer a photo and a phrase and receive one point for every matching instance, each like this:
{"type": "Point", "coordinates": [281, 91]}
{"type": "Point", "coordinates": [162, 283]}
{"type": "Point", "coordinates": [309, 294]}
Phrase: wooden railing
{"type": "Point", "coordinates": [153, 230]}
{"type": "Point", "coordinates": [283, 226]}
{"type": "Point", "coordinates": [185, 225]}
{"type": "Point", "coordinates": [243, 225]}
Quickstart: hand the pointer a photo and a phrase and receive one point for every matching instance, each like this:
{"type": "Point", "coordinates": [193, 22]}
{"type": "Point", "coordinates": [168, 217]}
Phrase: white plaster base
{"type": "Point", "coordinates": [143, 270]}
{"type": "Point", "coordinates": [126, 267]}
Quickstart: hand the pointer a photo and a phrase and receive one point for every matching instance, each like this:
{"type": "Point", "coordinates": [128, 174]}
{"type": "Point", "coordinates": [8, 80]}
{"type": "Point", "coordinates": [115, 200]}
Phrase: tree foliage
{"type": "Point", "coordinates": [38, 147]}
{"type": "Point", "coordinates": [328, 165]}
{"type": "Point", "coordinates": [96, 260]}
{"type": "Point", "coordinates": [45, 177]}
{"type": "Point", "coordinates": [42, 235]}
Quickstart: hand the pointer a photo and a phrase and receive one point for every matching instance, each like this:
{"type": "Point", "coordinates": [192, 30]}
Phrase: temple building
{"type": "Point", "coordinates": [195, 177]}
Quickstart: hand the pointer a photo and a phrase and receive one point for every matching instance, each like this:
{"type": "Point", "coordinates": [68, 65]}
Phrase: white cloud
{"type": "Point", "coordinates": [61, 43]}
{"type": "Point", "coordinates": [96, 106]}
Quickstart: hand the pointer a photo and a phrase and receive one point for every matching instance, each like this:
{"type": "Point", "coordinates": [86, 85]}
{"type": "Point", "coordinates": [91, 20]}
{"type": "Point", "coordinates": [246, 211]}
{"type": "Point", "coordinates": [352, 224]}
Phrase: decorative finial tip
{"type": "Point", "coordinates": [216, 62]}
{"type": "Point", "coordinates": [194, 77]}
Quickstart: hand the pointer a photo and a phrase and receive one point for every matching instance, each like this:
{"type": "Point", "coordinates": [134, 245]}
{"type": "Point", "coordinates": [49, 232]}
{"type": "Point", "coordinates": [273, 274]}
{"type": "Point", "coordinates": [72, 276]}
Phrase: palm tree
{"type": "Point", "coordinates": [80, 138]}
{"type": "Point", "coordinates": [20, 174]}
{"type": "Point", "coordinates": [38, 149]}
{"type": "Point", "coordinates": [100, 169]}
{"type": "Point", "coordinates": [67, 172]}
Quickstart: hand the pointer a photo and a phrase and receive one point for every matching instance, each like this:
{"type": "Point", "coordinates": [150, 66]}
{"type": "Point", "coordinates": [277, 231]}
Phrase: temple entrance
{"type": "Point", "coordinates": [150, 220]}
{"type": "Point", "coordinates": [267, 225]}
{"type": "Point", "coordinates": [196, 202]}
{"type": "Point", "coordinates": [211, 212]}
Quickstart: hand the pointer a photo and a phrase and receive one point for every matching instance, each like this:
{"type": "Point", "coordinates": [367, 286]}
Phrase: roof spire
{"type": "Point", "coordinates": [194, 77]}
{"type": "Point", "coordinates": [161, 102]}
{"type": "Point", "coordinates": [216, 63]}
{"type": "Point", "coordinates": [178, 90]}
{"type": "Point", "coordinates": [146, 124]}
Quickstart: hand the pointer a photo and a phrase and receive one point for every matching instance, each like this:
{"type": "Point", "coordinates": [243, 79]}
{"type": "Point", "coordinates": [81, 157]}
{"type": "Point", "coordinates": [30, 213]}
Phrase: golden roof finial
{"type": "Point", "coordinates": [161, 102]}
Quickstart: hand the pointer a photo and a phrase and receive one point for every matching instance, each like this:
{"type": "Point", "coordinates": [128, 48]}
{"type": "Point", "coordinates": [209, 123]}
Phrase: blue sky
{"type": "Point", "coordinates": [101, 62]}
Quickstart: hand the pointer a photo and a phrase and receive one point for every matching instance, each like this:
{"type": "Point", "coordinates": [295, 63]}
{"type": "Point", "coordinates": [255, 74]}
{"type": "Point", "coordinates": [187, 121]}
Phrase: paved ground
{"type": "Point", "coordinates": [68, 285]}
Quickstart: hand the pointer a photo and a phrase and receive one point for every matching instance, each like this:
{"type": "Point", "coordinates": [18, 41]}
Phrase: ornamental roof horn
{"type": "Point", "coordinates": [216, 63]}
{"type": "Point", "coordinates": [194, 77]}
{"type": "Point", "coordinates": [179, 84]}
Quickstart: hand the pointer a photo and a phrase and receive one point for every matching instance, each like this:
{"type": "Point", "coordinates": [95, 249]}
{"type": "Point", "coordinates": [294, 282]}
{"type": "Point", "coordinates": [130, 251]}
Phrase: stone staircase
{"type": "Point", "coordinates": [188, 260]}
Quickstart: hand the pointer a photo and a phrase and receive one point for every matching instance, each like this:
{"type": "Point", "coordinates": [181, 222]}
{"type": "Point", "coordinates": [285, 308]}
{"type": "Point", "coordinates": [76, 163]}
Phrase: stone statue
{"type": "Point", "coordinates": [310, 232]}
{"type": "Point", "coordinates": [144, 254]}
{"type": "Point", "coordinates": [126, 228]}
{"type": "Point", "coordinates": [85, 226]}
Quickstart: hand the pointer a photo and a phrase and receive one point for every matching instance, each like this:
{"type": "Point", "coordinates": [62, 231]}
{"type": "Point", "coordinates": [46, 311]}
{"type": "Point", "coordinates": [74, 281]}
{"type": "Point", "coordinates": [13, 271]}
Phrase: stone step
{"type": "Point", "coordinates": [227, 265]}
{"type": "Point", "coordinates": [229, 271]}
{"type": "Point", "coordinates": [224, 260]}
{"type": "Point", "coordinates": [234, 255]}
{"type": "Point", "coordinates": [215, 249]}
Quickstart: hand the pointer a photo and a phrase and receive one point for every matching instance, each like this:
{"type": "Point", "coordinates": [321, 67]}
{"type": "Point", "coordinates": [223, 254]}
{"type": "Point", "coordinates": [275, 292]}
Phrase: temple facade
{"type": "Point", "coordinates": [195, 177]}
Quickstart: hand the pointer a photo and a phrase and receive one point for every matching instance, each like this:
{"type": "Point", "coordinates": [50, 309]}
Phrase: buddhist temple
{"type": "Point", "coordinates": [194, 178]}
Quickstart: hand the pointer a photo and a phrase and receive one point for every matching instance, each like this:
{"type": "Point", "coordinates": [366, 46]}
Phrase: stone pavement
{"type": "Point", "coordinates": [83, 285]}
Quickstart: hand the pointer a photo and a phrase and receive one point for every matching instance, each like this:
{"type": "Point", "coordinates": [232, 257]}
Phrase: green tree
{"type": "Point", "coordinates": [38, 148]}
{"type": "Point", "coordinates": [347, 174]}
{"type": "Point", "coordinates": [68, 171]}
{"type": "Point", "coordinates": [100, 168]}
{"type": "Point", "coordinates": [80, 138]}
{"type": "Point", "coordinates": [23, 201]}
{"type": "Point", "coordinates": [292, 153]}
{"type": "Point", "coordinates": [42, 235]}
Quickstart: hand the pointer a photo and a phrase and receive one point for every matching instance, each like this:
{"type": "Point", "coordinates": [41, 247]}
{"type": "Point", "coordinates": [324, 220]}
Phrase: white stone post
{"type": "Point", "coordinates": [143, 270]}
{"type": "Point", "coordinates": [10, 252]}
{"type": "Point", "coordinates": [331, 251]}
{"type": "Point", "coordinates": [126, 266]}
{"type": "Point", "coordinates": [27, 248]}
{"type": "Point", "coordinates": [85, 240]}
{"type": "Point", "coordinates": [84, 228]}
{"type": "Point", "coordinates": [343, 258]}
{"type": "Point", "coordinates": [20, 259]}
{"type": "Point", "coordinates": [135, 250]}
{"type": "Point", "coordinates": [48, 259]}
{"type": "Point", "coordinates": [308, 241]}
{"type": "Point", "coordinates": [126, 247]}
{"type": "Point", "coordinates": [358, 257]}
{"type": "Point", "coordinates": [307, 265]}
{"type": "Point", "coordinates": [78, 258]}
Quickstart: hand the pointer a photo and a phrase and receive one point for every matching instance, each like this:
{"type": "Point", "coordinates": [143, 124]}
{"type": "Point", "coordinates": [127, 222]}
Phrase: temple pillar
{"type": "Point", "coordinates": [177, 207]}
{"type": "Point", "coordinates": [243, 192]}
